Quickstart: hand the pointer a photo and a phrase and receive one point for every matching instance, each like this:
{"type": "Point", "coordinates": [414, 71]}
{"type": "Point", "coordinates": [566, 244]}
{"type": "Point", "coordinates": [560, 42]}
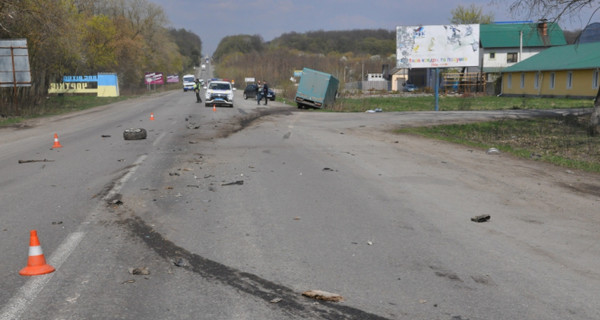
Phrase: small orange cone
{"type": "Point", "coordinates": [56, 143]}
{"type": "Point", "coordinates": [214, 107]}
{"type": "Point", "coordinates": [152, 116]}
{"type": "Point", "coordinates": [36, 264]}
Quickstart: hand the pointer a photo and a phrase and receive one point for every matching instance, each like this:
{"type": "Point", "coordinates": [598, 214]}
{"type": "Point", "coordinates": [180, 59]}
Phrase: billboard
{"type": "Point", "coordinates": [14, 63]}
{"type": "Point", "coordinates": [437, 46]}
{"type": "Point", "coordinates": [173, 78]}
{"type": "Point", "coordinates": [154, 78]}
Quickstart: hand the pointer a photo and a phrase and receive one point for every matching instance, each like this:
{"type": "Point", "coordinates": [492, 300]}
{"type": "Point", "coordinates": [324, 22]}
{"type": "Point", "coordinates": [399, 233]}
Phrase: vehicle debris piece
{"type": "Point", "coordinates": [323, 295]}
{"type": "Point", "coordinates": [105, 136]}
{"type": "Point", "coordinates": [128, 281]}
{"type": "Point", "coordinates": [181, 262]}
{"type": "Point", "coordinates": [174, 174]}
{"type": "Point", "coordinates": [28, 161]}
{"type": "Point", "coordinates": [57, 222]}
{"type": "Point", "coordinates": [493, 151]}
{"type": "Point", "coordinates": [238, 182]}
{"type": "Point", "coordinates": [276, 300]}
{"type": "Point", "coordinates": [139, 271]}
{"type": "Point", "coordinates": [135, 134]}
{"type": "Point", "coordinates": [481, 218]}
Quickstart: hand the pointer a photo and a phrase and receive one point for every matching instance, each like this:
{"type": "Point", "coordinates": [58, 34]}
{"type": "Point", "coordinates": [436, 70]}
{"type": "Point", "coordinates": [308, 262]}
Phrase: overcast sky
{"type": "Point", "coordinates": [214, 19]}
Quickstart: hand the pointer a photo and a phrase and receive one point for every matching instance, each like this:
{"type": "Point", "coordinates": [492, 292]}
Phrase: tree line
{"type": "Point", "coordinates": [84, 37]}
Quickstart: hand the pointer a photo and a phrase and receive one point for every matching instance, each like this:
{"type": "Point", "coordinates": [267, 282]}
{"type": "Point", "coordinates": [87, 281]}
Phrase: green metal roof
{"type": "Point", "coordinates": [508, 35]}
{"type": "Point", "coordinates": [571, 57]}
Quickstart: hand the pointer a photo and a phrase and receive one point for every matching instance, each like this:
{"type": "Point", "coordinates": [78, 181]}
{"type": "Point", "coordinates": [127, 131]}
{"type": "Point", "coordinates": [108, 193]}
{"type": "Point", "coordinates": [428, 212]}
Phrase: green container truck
{"type": "Point", "coordinates": [316, 89]}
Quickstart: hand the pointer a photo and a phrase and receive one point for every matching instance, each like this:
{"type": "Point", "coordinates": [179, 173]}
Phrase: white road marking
{"type": "Point", "coordinates": [29, 291]}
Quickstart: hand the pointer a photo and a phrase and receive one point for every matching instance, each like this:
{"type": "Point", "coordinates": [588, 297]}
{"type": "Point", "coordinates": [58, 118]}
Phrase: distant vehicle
{"type": "Point", "coordinates": [188, 82]}
{"type": "Point", "coordinates": [250, 92]}
{"type": "Point", "coordinates": [203, 67]}
{"type": "Point", "coordinates": [219, 92]}
{"type": "Point", "coordinates": [316, 89]}
{"type": "Point", "coordinates": [409, 87]}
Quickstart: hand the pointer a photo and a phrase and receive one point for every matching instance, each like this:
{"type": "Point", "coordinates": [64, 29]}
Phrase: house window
{"type": "Point", "coordinates": [569, 80]}
{"type": "Point", "coordinates": [509, 81]}
{"type": "Point", "coordinates": [512, 57]}
{"type": "Point", "coordinates": [595, 79]}
{"type": "Point", "coordinates": [536, 80]}
{"type": "Point", "coordinates": [522, 80]}
{"type": "Point", "coordinates": [552, 80]}
{"type": "Point", "coordinates": [492, 55]}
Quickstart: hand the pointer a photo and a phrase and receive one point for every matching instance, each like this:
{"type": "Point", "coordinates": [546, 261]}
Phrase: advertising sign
{"type": "Point", "coordinates": [154, 78]}
{"type": "Point", "coordinates": [437, 46]}
{"type": "Point", "coordinates": [173, 78]}
{"type": "Point", "coordinates": [14, 63]}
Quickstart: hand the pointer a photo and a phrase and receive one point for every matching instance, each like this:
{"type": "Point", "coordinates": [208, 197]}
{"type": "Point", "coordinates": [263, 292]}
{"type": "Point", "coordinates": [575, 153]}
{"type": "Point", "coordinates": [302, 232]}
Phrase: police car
{"type": "Point", "coordinates": [219, 92]}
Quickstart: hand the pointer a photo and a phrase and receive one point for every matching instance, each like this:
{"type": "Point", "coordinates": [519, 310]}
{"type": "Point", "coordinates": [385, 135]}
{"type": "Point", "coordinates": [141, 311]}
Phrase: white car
{"type": "Point", "coordinates": [219, 92]}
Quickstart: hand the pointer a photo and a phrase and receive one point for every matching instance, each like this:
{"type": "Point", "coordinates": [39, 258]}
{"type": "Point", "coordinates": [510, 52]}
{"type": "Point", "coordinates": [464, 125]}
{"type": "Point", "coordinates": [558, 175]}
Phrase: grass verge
{"type": "Point", "coordinates": [562, 141]}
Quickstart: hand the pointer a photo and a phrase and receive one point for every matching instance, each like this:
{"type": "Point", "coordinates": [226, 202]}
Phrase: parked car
{"type": "Point", "coordinates": [219, 92]}
{"type": "Point", "coordinates": [250, 92]}
{"type": "Point", "coordinates": [409, 87]}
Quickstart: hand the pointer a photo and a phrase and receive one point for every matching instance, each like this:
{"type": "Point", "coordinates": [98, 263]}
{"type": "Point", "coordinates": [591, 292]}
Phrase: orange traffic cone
{"type": "Point", "coordinates": [214, 107]}
{"type": "Point", "coordinates": [152, 116]}
{"type": "Point", "coordinates": [56, 143]}
{"type": "Point", "coordinates": [36, 264]}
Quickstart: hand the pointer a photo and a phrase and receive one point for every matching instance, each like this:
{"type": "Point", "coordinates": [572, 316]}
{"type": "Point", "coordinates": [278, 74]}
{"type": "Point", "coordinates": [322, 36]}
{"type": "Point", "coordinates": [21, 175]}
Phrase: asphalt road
{"type": "Point", "coordinates": [236, 212]}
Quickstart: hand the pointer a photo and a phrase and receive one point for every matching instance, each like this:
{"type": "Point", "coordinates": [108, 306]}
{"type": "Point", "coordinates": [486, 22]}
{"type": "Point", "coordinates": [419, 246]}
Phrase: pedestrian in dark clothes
{"type": "Point", "coordinates": [265, 92]}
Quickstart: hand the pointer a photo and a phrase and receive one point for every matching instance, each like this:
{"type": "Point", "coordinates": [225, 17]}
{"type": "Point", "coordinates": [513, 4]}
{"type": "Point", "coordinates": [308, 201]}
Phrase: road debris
{"type": "Point", "coordinates": [323, 295]}
{"type": "Point", "coordinates": [28, 161]}
{"type": "Point", "coordinates": [493, 151]}
{"type": "Point", "coordinates": [276, 300]}
{"type": "Point", "coordinates": [106, 136]}
{"type": "Point", "coordinates": [128, 281]}
{"type": "Point", "coordinates": [481, 218]}
{"type": "Point", "coordinates": [57, 222]}
{"type": "Point", "coordinates": [139, 271]}
{"type": "Point", "coordinates": [181, 262]}
{"type": "Point", "coordinates": [238, 182]}
{"type": "Point", "coordinates": [135, 134]}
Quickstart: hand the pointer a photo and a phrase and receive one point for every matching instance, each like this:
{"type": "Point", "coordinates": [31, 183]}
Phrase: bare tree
{"type": "Point", "coordinates": [555, 10]}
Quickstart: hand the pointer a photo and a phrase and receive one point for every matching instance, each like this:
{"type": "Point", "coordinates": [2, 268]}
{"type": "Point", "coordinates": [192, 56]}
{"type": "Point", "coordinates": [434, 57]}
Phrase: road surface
{"type": "Point", "coordinates": [234, 213]}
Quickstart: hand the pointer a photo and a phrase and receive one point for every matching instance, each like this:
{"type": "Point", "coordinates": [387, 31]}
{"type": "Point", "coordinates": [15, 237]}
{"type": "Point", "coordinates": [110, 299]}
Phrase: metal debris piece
{"type": "Point", "coordinates": [139, 271]}
{"type": "Point", "coordinates": [493, 151]}
{"type": "Point", "coordinates": [28, 161]}
{"type": "Point", "coordinates": [181, 262]}
{"type": "Point", "coordinates": [481, 218]}
{"type": "Point", "coordinates": [323, 295]}
{"type": "Point", "coordinates": [239, 182]}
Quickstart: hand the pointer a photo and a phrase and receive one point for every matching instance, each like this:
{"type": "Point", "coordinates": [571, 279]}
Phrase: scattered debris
{"type": "Point", "coordinates": [139, 271]}
{"type": "Point", "coordinates": [296, 218]}
{"type": "Point", "coordinates": [481, 218]}
{"type": "Point", "coordinates": [193, 186]}
{"type": "Point", "coordinates": [28, 161]}
{"type": "Point", "coordinates": [328, 169]}
{"type": "Point", "coordinates": [421, 301]}
{"type": "Point", "coordinates": [106, 136]}
{"type": "Point", "coordinates": [493, 151]}
{"type": "Point", "coordinates": [373, 111]}
{"type": "Point", "coordinates": [323, 295]}
{"type": "Point", "coordinates": [276, 300]}
{"type": "Point", "coordinates": [135, 134]}
{"type": "Point", "coordinates": [174, 174]}
{"type": "Point", "coordinates": [181, 262]}
{"type": "Point", "coordinates": [238, 182]}
{"type": "Point", "coordinates": [57, 222]}
{"type": "Point", "coordinates": [128, 281]}
{"type": "Point", "coordinates": [370, 243]}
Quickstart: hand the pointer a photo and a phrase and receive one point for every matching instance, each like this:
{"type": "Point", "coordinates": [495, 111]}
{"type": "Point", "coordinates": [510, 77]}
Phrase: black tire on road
{"type": "Point", "coordinates": [245, 97]}
{"type": "Point", "coordinates": [135, 134]}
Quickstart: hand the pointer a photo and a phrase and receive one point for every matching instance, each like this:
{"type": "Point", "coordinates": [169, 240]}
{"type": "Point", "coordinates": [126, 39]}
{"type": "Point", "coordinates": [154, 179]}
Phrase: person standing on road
{"type": "Point", "coordinates": [258, 92]}
{"type": "Point", "coordinates": [197, 90]}
{"type": "Point", "coordinates": [265, 91]}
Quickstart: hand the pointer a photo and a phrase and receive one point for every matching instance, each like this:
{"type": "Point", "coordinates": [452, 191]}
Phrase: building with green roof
{"type": "Point", "coordinates": [565, 71]}
{"type": "Point", "coordinates": [504, 45]}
